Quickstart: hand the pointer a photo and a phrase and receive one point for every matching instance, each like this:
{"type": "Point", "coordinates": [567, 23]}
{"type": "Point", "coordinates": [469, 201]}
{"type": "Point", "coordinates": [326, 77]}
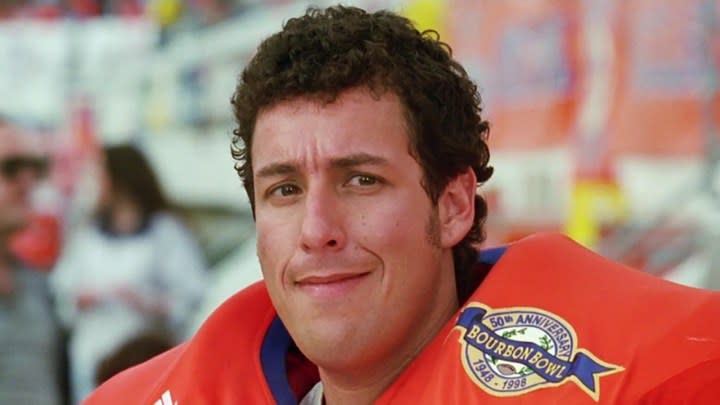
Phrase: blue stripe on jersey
{"type": "Point", "coordinates": [492, 255]}
{"type": "Point", "coordinates": [273, 356]}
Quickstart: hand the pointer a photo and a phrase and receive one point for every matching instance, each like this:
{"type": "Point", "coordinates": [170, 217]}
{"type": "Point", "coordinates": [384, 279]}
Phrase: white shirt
{"type": "Point", "coordinates": [315, 396]}
{"type": "Point", "coordinates": [162, 264]}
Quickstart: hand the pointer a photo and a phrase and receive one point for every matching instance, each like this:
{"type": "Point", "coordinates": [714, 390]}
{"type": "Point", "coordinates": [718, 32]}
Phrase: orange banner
{"type": "Point", "coordinates": [524, 55]}
{"type": "Point", "coordinates": [664, 103]}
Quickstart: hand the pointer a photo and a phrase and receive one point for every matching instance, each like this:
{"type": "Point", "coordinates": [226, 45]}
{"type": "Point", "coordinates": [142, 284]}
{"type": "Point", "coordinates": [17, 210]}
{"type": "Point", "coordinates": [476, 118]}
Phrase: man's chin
{"type": "Point", "coordinates": [326, 333]}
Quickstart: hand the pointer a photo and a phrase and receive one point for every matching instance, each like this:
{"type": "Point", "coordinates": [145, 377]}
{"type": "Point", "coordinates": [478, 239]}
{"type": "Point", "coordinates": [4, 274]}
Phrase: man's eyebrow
{"type": "Point", "coordinates": [357, 159]}
{"type": "Point", "coordinates": [277, 169]}
{"type": "Point", "coordinates": [345, 162]}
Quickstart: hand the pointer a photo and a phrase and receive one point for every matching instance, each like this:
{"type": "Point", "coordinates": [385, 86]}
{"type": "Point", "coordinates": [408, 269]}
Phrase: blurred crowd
{"type": "Point", "coordinates": [79, 304]}
{"type": "Point", "coordinates": [165, 12]}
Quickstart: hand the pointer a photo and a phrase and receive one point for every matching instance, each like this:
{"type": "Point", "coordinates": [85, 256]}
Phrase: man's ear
{"type": "Point", "coordinates": [456, 208]}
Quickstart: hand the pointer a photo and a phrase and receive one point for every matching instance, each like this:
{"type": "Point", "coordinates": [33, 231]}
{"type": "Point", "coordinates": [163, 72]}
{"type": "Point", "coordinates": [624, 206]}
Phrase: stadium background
{"type": "Point", "coordinates": [605, 116]}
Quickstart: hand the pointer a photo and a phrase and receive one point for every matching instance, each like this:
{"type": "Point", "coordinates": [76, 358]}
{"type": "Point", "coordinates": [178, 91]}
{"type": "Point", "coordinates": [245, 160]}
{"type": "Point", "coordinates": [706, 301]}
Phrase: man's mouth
{"type": "Point", "coordinates": [331, 285]}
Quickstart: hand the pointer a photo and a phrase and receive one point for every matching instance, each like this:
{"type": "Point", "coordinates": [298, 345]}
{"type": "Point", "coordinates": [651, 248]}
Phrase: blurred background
{"type": "Point", "coordinates": [605, 122]}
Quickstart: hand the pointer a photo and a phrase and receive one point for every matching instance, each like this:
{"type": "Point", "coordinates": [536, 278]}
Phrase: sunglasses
{"type": "Point", "coordinates": [11, 166]}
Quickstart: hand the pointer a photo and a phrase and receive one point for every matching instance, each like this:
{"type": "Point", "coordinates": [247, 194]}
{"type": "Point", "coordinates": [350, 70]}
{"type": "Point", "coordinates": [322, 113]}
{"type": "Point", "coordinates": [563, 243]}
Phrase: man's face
{"type": "Point", "coordinates": [19, 171]}
{"type": "Point", "coordinates": [347, 236]}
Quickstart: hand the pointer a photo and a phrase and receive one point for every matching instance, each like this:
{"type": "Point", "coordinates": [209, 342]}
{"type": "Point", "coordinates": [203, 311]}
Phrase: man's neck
{"type": "Point", "coordinates": [340, 388]}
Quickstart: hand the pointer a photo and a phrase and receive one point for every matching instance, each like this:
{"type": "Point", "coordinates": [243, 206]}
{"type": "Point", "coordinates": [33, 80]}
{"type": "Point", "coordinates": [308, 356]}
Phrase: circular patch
{"type": "Point", "coordinates": [512, 351]}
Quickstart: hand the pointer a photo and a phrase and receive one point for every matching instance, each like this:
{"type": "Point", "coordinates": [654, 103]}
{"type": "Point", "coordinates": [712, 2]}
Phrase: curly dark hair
{"type": "Point", "coordinates": [328, 51]}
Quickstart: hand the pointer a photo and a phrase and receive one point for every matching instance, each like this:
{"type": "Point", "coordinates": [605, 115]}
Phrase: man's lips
{"type": "Point", "coordinates": [329, 278]}
{"type": "Point", "coordinates": [331, 286]}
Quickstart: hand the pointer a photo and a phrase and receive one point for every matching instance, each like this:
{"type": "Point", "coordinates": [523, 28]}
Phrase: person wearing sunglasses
{"type": "Point", "coordinates": [19, 171]}
{"type": "Point", "coordinates": [29, 342]}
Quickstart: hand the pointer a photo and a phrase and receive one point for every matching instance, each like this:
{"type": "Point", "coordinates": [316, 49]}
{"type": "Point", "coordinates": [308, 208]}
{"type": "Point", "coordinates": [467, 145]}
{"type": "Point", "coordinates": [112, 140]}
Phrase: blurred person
{"type": "Point", "coordinates": [29, 334]}
{"type": "Point", "coordinates": [135, 266]}
{"type": "Point", "coordinates": [361, 146]}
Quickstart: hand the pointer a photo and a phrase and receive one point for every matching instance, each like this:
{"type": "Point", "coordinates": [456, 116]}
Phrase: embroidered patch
{"type": "Point", "coordinates": [512, 351]}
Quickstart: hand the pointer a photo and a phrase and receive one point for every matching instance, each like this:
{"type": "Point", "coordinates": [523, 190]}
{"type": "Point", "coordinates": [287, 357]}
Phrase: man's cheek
{"type": "Point", "coordinates": [387, 231]}
{"type": "Point", "coordinates": [265, 257]}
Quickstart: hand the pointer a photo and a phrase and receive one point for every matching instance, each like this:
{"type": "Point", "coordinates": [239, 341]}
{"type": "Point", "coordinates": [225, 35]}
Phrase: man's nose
{"type": "Point", "coordinates": [322, 223]}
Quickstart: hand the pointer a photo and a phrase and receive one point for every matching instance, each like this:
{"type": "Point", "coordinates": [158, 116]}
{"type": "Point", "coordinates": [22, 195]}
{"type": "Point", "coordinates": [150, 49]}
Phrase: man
{"type": "Point", "coordinates": [360, 144]}
{"type": "Point", "coordinates": [28, 336]}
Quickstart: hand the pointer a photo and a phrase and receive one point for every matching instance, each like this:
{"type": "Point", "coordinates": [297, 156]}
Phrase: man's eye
{"type": "Point", "coordinates": [363, 180]}
{"type": "Point", "coordinates": [285, 190]}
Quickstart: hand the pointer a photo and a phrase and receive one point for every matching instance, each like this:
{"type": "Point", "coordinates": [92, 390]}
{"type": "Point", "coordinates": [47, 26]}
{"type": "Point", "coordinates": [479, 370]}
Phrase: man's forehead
{"type": "Point", "coordinates": [348, 103]}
